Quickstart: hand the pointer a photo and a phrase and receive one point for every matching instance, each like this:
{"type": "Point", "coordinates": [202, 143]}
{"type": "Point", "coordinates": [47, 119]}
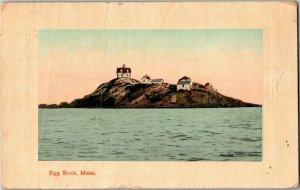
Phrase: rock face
{"type": "Point", "coordinates": [130, 93]}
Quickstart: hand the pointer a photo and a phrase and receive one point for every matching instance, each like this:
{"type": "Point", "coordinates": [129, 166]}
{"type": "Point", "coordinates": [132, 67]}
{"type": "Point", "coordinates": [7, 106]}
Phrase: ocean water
{"type": "Point", "coordinates": [215, 134]}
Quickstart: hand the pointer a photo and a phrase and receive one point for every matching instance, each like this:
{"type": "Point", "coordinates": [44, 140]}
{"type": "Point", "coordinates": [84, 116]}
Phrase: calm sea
{"type": "Point", "coordinates": [151, 134]}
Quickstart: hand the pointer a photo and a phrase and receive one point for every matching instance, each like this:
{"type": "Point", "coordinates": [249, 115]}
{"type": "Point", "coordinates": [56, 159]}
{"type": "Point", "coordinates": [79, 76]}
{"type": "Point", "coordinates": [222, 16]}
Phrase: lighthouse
{"type": "Point", "coordinates": [123, 72]}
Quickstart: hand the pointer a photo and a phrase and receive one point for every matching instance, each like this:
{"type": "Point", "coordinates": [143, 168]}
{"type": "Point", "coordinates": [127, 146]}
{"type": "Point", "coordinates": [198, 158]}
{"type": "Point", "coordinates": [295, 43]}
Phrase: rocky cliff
{"type": "Point", "coordinates": [130, 93]}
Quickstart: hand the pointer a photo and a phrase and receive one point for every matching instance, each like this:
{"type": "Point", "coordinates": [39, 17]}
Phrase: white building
{"type": "Point", "coordinates": [185, 83]}
{"type": "Point", "coordinates": [123, 72]}
{"type": "Point", "coordinates": [146, 79]}
{"type": "Point", "coordinates": [157, 81]}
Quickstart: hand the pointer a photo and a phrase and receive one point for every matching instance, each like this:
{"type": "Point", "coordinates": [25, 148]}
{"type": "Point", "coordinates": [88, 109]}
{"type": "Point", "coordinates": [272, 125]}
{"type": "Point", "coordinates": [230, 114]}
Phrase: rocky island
{"type": "Point", "coordinates": [131, 93]}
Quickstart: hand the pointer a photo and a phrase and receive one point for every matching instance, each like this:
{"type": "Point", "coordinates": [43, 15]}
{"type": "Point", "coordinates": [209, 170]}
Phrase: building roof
{"type": "Point", "coordinates": [180, 82]}
{"type": "Point", "coordinates": [123, 69]}
{"type": "Point", "coordinates": [147, 77]}
{"type": "Point", "coordinates": [157, 80]}
{"type": "Point", "coordinates": [184, 78]}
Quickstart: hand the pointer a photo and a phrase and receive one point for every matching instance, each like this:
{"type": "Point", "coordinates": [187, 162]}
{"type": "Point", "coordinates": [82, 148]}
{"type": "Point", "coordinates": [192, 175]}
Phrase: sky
{"type": "Point", "coordinates": [73, 63]}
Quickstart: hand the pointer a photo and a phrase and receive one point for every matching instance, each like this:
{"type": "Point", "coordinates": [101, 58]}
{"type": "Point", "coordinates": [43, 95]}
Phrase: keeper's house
{"type": "Point", "coordinates": [123, 72]}
{"type": "Point", "coordinates": [157, 81]}
{"type": "Point", "coordinates": [185, 83]}
{"type": "Point", "coordinates": [146, 79]}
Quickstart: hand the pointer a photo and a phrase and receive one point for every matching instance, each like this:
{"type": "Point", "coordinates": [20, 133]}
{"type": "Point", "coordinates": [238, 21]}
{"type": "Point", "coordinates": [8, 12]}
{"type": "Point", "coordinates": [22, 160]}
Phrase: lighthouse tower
{"type": "Point", "coordinates": [123, 72]}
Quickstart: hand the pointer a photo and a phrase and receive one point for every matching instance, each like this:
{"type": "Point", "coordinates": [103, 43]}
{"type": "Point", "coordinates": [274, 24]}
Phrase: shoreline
{"type": "Point", "coordinates": [158, 107]}
{"type": "Point", "coordinates": [121, 94]}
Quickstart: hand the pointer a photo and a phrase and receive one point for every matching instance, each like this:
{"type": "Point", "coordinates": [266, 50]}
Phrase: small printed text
{"type": "Point", "coordinates": [71, 173]}
{"type": "Point", "coordinates": [226, 155]}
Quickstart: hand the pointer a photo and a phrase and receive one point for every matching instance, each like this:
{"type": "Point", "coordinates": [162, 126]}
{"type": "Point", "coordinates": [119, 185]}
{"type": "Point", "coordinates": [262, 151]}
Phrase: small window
{"type": "Point", "coordinates": [182, 85]}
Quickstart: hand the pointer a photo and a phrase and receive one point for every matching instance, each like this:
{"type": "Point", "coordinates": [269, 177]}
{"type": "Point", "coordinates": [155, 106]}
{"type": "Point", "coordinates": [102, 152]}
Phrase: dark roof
{"type": "Point", "coordinates": [184, 82]}
{"type": "Point", "coordinates": [184, 78]}
{"type": "Point", "coordinates": [157, 80]}
{"type": "Point", "coordinates": [123, 70]}
{"type": "Point", "coordinates": [147, 77]}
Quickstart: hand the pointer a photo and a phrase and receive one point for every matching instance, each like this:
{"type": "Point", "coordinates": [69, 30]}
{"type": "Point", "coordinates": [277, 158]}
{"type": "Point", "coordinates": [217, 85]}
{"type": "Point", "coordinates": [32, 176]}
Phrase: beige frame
{"type": "Point", "coordinates": [19, 111]}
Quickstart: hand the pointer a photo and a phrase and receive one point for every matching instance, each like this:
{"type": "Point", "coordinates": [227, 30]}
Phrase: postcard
{"type": "Point", "coordinates": [149, 95]}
